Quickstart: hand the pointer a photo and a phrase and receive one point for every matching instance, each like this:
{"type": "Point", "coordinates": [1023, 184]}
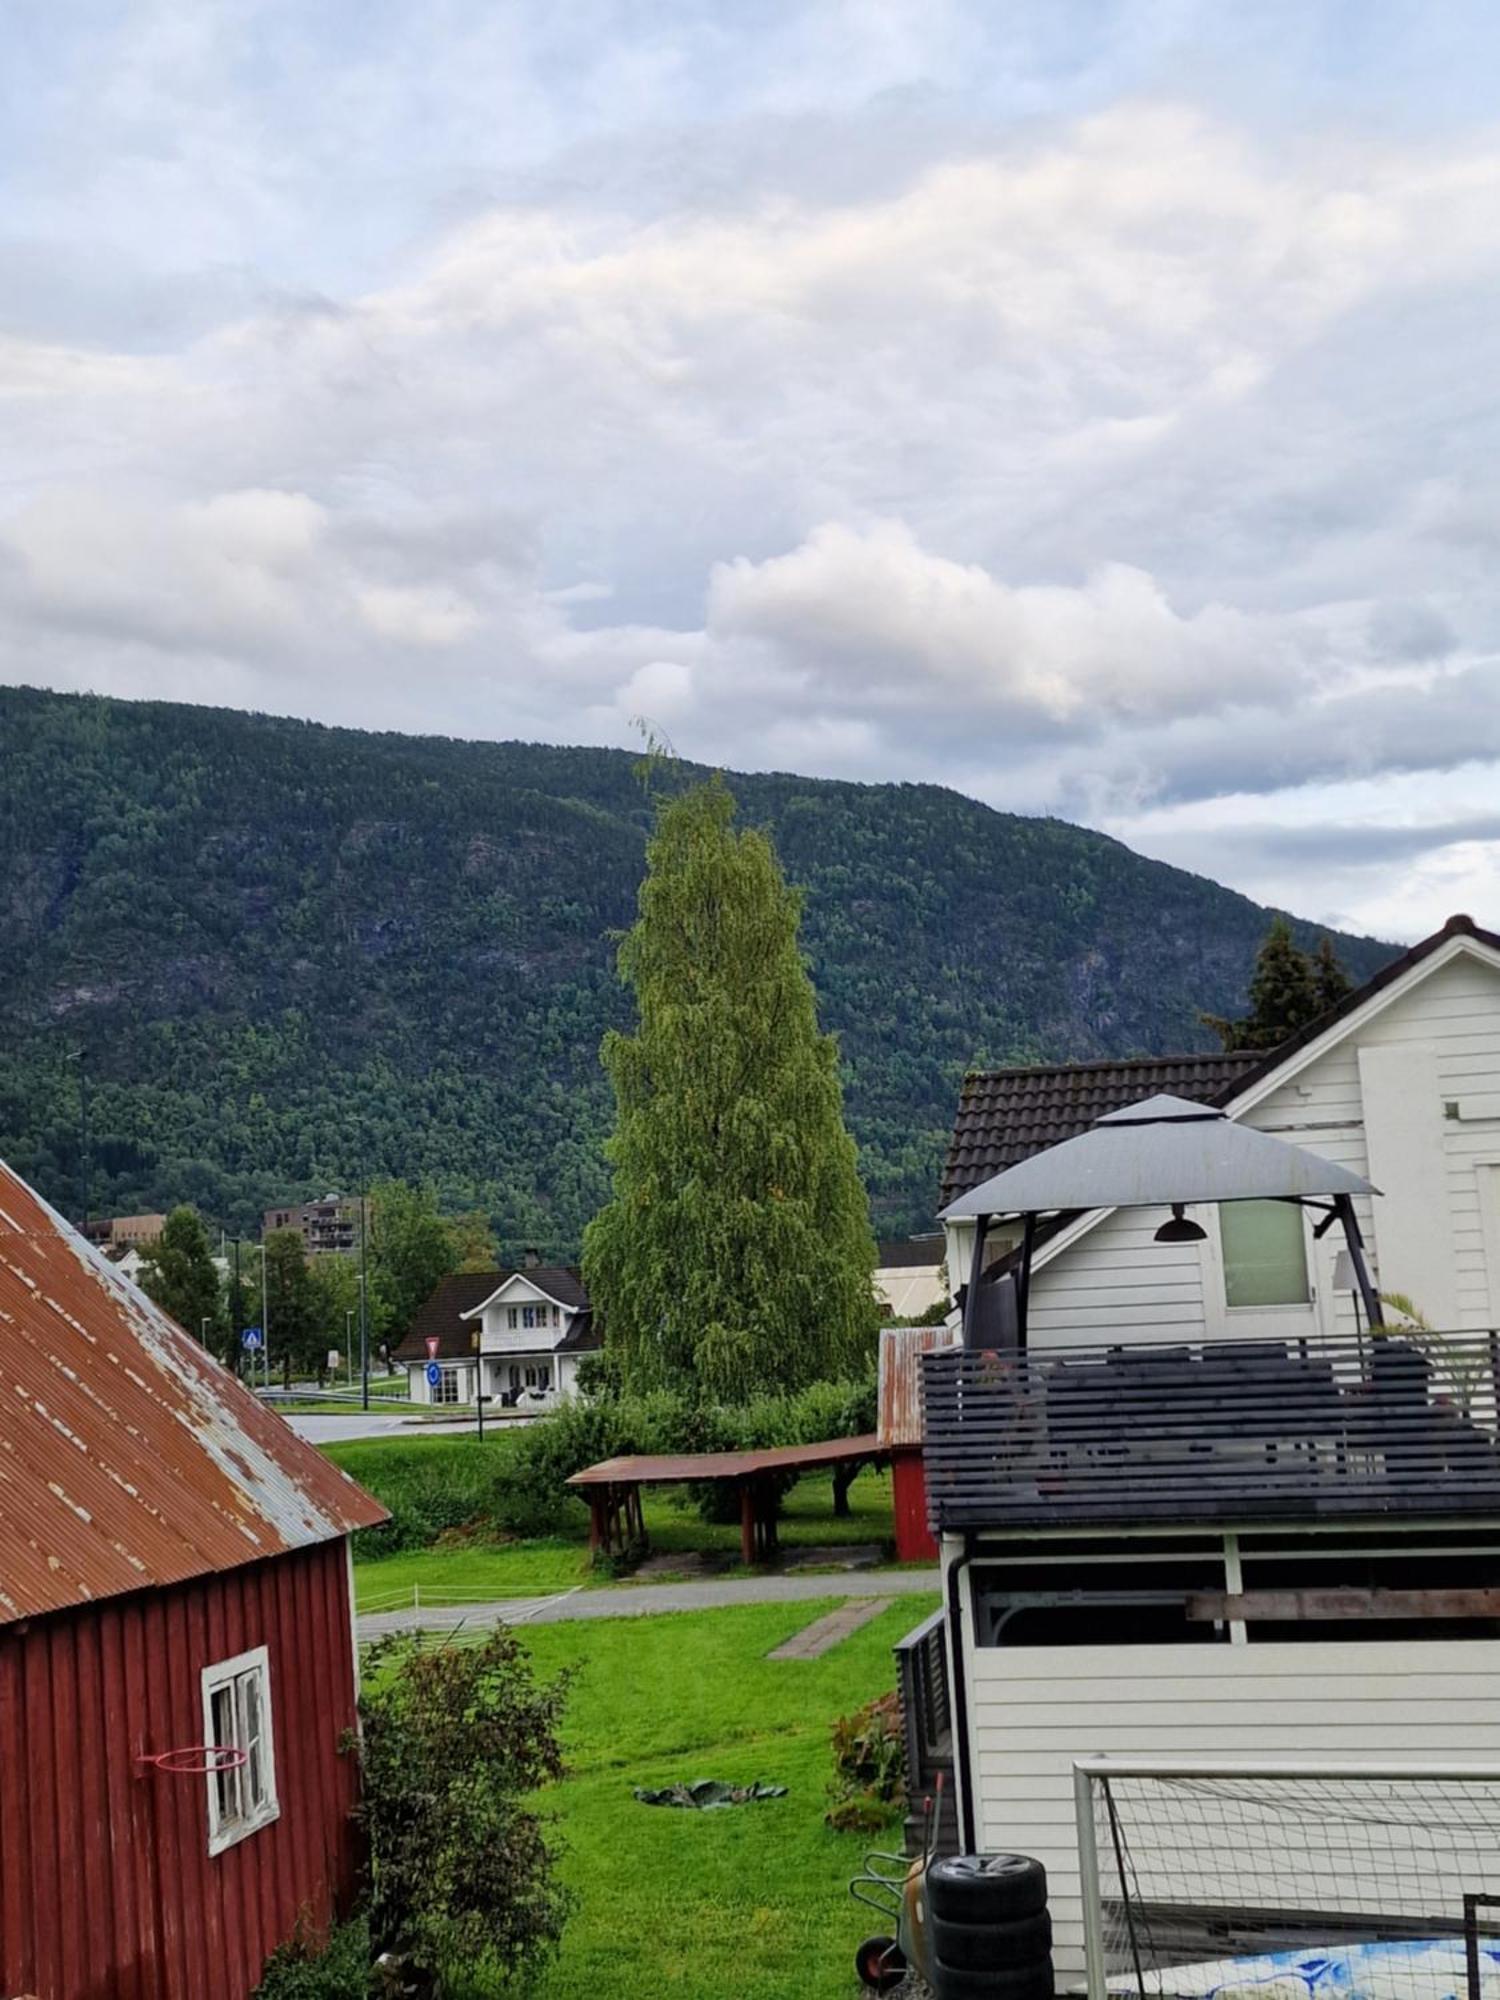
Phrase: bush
{"type": "Point", "coordinates": [337, 1968]}
{"type": "Point", "coordinates": [869, 1782]}
{"type": "Point", "coordinates": [456, 1741]}
{"type": "Point", "coordinates": [430, 1485]}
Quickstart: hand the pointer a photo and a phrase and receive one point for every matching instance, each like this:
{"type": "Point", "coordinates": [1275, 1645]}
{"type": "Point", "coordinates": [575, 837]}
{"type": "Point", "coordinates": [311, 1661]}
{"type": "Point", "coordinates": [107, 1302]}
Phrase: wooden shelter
{"type": "Point", "coordinates": [613, 1487]}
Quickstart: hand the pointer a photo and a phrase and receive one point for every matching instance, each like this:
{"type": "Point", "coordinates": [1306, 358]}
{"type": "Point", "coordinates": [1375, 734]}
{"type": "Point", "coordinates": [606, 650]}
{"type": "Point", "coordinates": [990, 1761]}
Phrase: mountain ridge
{"type": "Point", "coordinates": [299, 954]}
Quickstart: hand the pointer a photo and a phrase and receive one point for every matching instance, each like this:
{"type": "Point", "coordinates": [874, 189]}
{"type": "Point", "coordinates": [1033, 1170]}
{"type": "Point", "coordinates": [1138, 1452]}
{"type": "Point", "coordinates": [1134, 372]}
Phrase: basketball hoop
{"type": "Point", "coordinates": [194, 1759]}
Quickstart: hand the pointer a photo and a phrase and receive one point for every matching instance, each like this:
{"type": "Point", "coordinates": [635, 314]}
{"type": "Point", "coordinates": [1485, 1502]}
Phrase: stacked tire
{"type": "Point", "coordinates": [988, 1930]}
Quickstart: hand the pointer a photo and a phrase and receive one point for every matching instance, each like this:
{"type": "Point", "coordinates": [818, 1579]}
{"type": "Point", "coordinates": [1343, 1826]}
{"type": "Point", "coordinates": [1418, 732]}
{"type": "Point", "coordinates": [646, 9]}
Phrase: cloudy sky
{"type": "Point", "coordinates": [1090, 404]}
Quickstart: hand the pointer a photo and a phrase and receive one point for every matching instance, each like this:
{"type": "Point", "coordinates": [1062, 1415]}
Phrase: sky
{"type": "Point", "coordinates": [1088, 404]}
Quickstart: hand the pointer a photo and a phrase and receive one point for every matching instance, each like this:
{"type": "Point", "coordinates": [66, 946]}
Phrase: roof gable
{"type": "Point", "coordinates": [549, 1281]}
{"type": "Point", "coordinates": [128, 1456]}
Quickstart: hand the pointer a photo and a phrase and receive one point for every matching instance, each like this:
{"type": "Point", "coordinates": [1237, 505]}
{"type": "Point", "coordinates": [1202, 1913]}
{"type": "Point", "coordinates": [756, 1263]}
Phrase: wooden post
{"type": "Point", "coordinates": [598, 1532]}
{"type": "Point", "coordinates": [747, 1522]}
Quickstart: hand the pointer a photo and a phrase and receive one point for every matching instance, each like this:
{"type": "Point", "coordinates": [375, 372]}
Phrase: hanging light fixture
{"type": "Point", "coordinates": [1180, 1229]}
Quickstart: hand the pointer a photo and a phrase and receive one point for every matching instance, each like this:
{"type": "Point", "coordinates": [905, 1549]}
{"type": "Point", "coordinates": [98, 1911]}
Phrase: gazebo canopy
{"type": "Point", "coordinates": [1162, 1152]}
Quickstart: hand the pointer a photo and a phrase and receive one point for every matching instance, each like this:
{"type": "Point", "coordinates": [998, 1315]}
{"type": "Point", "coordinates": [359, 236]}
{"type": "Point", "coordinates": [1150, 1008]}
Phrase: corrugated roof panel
{"type": "Point", "coordinates": [128, 1456]}
{"type": "Point", "coordinates": [899, 1421]}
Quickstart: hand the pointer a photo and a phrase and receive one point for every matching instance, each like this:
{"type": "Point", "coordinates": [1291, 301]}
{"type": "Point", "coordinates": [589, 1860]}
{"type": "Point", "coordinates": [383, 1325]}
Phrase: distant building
{"type": "Point", "coordinates": [175, 1574]}
{"type": "Point", "coordinates": [328, 1227]}
{"type": "Point", "coordinates": [909, 1275]}
{"type": "Point", "coordinates": [527, 1330]}
{"type": "Point", "coordinates": [126, 1231]}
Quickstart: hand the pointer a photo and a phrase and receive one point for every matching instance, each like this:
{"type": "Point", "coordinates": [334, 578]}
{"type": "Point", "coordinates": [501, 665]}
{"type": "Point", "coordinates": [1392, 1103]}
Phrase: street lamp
{"type": "Point", "coordinates": [349, 1343]}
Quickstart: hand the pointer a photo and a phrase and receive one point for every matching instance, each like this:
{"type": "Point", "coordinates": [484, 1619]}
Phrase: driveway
{"type": "Point", "coordinates": [627, 1600]}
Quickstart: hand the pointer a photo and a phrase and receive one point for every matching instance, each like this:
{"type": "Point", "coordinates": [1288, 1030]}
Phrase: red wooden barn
{"type": "Point", "coordinates": [899, 1428]}
{"type": "Point", "coordinates": [174, 1572]}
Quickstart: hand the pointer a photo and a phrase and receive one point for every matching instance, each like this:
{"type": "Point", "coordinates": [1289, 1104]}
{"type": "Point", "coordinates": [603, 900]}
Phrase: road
{"type": "Point", "coordinates": [628, 1600]}
{"type": "Point", "coordinates": [319, 1428]}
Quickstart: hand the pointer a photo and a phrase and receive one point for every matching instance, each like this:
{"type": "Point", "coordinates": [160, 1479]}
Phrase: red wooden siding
{"type": "Point", "coordinates": [107, 1890]}
{"type": "Point", "coordinates": [914, 1542]}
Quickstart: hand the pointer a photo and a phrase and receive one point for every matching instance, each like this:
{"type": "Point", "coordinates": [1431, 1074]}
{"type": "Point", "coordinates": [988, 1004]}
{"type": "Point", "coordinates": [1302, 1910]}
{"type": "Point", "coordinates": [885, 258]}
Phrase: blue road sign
{"type": "Point", "coordinates": [434, 1374]}
{"type": "Point", "coordinates": [251, 1339]}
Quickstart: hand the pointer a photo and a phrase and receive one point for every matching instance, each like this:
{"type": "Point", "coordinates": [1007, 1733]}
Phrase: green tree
{"type": "Point", "coordinates": [291, 1302]}
{"type": "Point", "coordinates": [178, 1271]}
{"type": "Point", "coordinates": [1330, 981]}
{"type": "Point", "coordinates": [1284, 995]}
{"type": "Point", "coordinates": [474, 1247]}
{"type": "Point", "coordinates": [736, 1253]}
{"type": "Point", "coordinates": [334, 1283]}
{"type": "Point", "coordinates": [411, 1247]}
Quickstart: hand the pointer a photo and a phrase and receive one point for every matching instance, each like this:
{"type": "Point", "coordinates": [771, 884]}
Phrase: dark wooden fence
{"type": "Point", "coordinates": [1387, 1424]}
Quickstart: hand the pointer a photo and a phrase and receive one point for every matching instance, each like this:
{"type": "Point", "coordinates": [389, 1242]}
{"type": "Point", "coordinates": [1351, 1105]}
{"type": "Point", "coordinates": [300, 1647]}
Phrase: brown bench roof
{"type": "Point", "coordinates": [679, 1468]}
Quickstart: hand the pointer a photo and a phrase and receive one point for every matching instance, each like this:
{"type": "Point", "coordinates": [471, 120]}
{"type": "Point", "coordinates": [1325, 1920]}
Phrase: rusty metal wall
{"type": "Point", "coordinates": [107, 1889]}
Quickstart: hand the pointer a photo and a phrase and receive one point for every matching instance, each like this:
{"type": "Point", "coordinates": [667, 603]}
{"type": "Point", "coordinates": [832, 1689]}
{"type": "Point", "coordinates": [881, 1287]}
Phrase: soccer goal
{"type": "Point", "coordinates": [1236, 1877]}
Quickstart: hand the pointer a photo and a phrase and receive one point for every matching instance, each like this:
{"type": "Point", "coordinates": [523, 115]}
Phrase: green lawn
{"type": "Point", "coordinates": [746, 1904]}
{"type": "Point", "coordinates": [470, 1571]}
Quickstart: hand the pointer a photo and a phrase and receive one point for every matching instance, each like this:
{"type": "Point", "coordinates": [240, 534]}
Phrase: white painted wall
{"type": "Point", "coordinates": [1409, 1097]}
{"type": "Point", "coordinates": [909, 1289]}
{"type": "Point", "coordinates": [1035, 1708]}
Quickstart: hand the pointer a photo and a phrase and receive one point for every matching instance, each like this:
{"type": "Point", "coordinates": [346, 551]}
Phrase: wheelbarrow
{"type": "Point", "coordinates": [894, 1886]}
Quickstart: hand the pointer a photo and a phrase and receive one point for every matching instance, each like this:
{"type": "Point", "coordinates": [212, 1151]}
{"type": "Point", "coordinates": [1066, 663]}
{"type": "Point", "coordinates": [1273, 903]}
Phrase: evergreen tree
{"type": "Point", "coordinates": [736, 1253]}
{"type": "Point", "coordinates": [1330, 981]}
{"type": "Point", "coordinates": [178, 1271]}
{"type": "Point", "coordinates": [1284, 995]}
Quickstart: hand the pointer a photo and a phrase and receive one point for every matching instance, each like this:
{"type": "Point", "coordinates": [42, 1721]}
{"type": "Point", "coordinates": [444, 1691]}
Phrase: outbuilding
{"type": "Point", "coordinates": [177, 1659]}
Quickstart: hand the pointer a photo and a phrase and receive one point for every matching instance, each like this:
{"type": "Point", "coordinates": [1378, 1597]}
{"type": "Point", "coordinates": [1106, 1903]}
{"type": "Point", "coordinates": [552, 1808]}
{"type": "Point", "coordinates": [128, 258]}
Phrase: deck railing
{"type": "Point", "coordinates": [1396, 1422]}
{"type": "Point", "coordinates": [922, 1684]}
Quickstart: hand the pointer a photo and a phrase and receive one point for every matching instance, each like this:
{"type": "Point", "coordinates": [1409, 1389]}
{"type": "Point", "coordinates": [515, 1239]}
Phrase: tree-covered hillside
{"type": "Point", "coordinates": [296, 956]}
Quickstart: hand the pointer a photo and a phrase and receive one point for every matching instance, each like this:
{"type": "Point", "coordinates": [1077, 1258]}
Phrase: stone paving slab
{"type": "Point", "coordinates": [825, 1633]}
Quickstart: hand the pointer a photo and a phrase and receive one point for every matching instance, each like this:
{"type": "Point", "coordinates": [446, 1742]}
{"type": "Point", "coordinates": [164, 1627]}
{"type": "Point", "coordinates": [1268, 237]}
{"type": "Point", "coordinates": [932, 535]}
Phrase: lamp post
{"type": "Point", "coordinates": [478, 1381]}
{"type": "Point", "coordinates": [349, 1343]}
{"type": "Point", "coordinates": [364, 1304]}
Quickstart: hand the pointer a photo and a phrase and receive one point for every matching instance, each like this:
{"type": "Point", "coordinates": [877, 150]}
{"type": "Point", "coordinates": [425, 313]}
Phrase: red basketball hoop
{"type": "Point", "coordinates": [194, 1759]}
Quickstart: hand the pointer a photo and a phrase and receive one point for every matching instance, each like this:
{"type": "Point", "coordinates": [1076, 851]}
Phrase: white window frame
{"type": "Point", "coordinates": [447, 1379]}
{"type": "Point", "coordinates": [223, 1831]}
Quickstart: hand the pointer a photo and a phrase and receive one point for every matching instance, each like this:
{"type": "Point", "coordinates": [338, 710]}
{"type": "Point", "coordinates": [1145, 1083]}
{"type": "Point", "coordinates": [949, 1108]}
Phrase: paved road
{"type": "Point", "coordinates": [319, 1428]}
{"type": "Point", "coordinates": [628, 1600]}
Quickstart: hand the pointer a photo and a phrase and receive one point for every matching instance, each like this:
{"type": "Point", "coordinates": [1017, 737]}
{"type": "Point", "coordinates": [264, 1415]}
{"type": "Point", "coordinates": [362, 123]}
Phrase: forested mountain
{"type": "Point", "coordinates": [294, 956]}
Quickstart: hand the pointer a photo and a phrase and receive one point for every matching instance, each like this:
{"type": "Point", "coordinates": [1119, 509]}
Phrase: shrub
{"type": "Point", "coordinates": [456, 1741]}
{"type": "Point", "coordinates": [430, 1485]}
{"type": "Point", "coordinates": [337, 1968]}
{"type": "Point", "coordinates": [869, 1783]}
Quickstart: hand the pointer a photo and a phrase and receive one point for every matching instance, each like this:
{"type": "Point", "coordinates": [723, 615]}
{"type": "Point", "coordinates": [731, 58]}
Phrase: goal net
{"type": "Point", "coordinates": [1372, 1883]}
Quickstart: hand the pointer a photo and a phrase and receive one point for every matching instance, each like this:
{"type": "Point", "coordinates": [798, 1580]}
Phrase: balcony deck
{"type": "Point", "coordinates": [1394, 1424]}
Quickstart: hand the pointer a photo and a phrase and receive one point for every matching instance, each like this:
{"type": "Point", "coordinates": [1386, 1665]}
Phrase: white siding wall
{"type": "Point", "coordinates": [1036, 1708]}
{"type": "Point", "coordinates": [1115, 1284]}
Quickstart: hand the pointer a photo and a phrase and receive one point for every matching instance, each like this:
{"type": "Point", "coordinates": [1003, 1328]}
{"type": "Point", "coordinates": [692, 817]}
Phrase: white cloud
{"type": "Point", "coordinates": [1100, 465]}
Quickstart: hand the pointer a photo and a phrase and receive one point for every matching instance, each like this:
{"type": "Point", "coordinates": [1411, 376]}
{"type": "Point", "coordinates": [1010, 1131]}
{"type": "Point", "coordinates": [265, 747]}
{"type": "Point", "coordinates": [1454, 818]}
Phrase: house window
{"type": "Point", "coordinates": [1265, 1254]}
{"type": "Point", "coordinates": [445, 1389]}
{"type": "Point", "coordinates": [544, 1378]}
{"type": "Point", "coordinates": [237, 1716]}
{"type": "Point", "coordinates": [510, 1318]}
{"type": "Point", "coordinates": [533, 1315]}
{"type": "Point", "coordinates": [557, 1316]}
{"type": "Point", "coordinates": [531, 1378]}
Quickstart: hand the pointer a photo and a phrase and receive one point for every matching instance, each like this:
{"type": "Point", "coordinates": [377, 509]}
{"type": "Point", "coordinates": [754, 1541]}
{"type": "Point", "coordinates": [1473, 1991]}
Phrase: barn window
{"type": "Point", "coordinates": [237, 1716]}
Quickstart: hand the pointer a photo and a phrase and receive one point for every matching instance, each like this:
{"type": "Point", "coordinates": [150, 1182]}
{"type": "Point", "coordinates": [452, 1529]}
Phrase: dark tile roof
{"type": "Point", "coordinates": [1006, 1115]}
{"type": "Point", "coordinates": [910, 1253]}
{"type": "Point", "coordinates": [442, 1313]}
{"type": "Point", "coordinates": [584, 1336]}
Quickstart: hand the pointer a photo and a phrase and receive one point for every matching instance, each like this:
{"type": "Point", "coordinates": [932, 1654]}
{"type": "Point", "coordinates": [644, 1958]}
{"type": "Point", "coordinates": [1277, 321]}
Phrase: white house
{"type": "Point", "coordinates": [909, 1276]}
{"type": "Point", "coordinates": [1206, 1421]}
{"type": "Point", "coordinates": [526, 1331]}
{"type": "Point", "coordinates": [1401, 1083]}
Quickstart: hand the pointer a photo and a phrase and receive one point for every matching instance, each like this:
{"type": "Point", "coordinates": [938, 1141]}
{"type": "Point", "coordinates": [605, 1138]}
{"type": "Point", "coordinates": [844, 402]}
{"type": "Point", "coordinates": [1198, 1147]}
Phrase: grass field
{"type": "Point", "coordinates": [745, 1904]}
{"type": "Point", "coordinates": [465, 1571]}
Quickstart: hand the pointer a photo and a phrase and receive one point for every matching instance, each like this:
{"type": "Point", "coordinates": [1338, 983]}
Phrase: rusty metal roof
{"type": "Point", "coordinates": [679, 1467]}
{"type": "Point", "coordinates": [128, 1456]}
{"type": "Point", "coordinates": [900, 1406]}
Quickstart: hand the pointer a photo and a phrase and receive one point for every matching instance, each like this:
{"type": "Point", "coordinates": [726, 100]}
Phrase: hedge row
{"type": "Point", "coordinates": [516, 1481]}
